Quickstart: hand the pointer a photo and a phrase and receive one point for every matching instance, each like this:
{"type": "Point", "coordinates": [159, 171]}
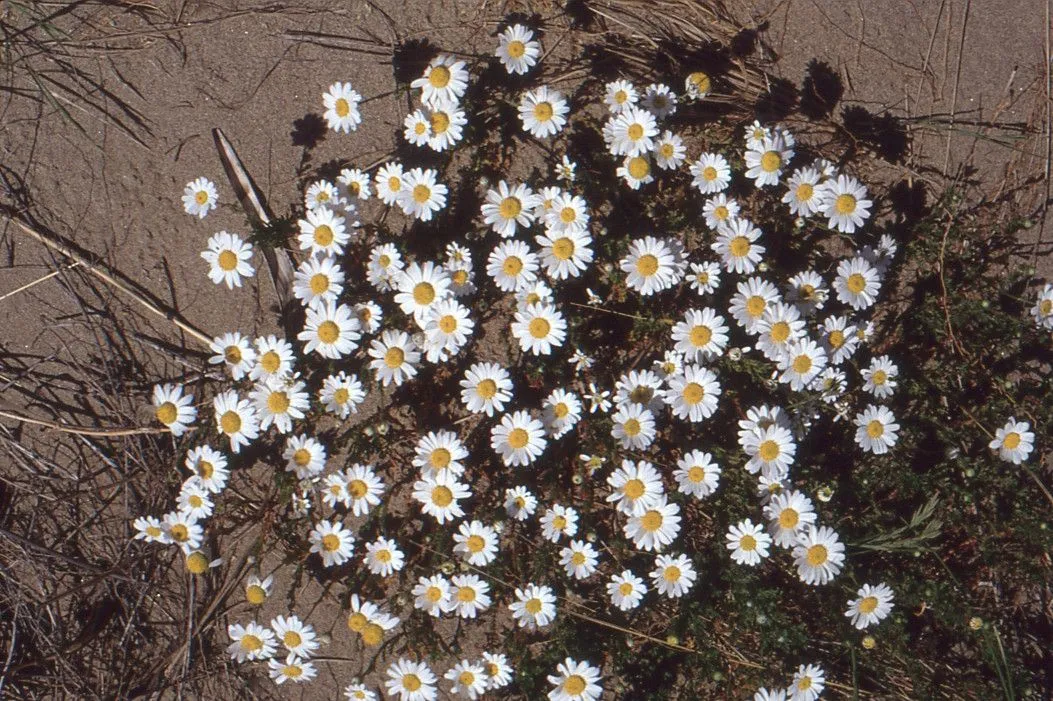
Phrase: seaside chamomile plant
{"type": "Point", "coordinates": [615, 377]}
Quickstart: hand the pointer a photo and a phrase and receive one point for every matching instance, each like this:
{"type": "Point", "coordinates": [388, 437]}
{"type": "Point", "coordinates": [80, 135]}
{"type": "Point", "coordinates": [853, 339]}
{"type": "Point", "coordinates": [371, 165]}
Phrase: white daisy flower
{"type": "Point", "coordinates": [831, 383]}
{"type": "Point", "coordinates": [539, 328]}
{"type": "Point", "coordinates": [579, 559]}
{"type": "Point", "coordinates": [440, 496]}
{"type": "Point", "coordinates": [323, 232]}
{"type": "Point", "coordinates": [626, 590]}
{"type": "Point", "coordinates": [788, 513]}
{"type": "Point", "coordinates": [872, 605]}
{"type": "Point", "coordinates": [322, 193]}
{"type": "Point", "coordinates": [818, 555]}
{"type": "Point", "coordinates": [446, 329]}
{"type": "Point", "coordinates": [486, 388]}
{"type": "Point", "coordinates": [194, 500]}
{"type": "Point", "coordinates": [332, 542]}
{"type": "Point", "coordinates": [693, 394]}
{"type": "Point", "coordinates": [432, 595]}
{"type": "Point", "coordinates": [673, 576]}
{"type": "Point", "coordinates": [755, 135]}
{"type": "Point", "coordinates": [305, 456]}
{"type": "Point", "coordinates": [419, 287]}
{"type": "Point", "coordinates": [395, 357]}
{"type": "Point", "coordinates": [341, 394]}
{"type": "Point", "coordinates": [670, 363]}
{"type": "Point", "coordinates": [355, 182]}
{"type": "Point", "coordinates": [359, 692]}
{"type": "Point", "coordinates": [632, 131]}
{"type": "Point", "coordinates": [364, 488]}
{"type": "Point", "coordinates": [719, 210]}
{"type": "Point", "coordinates": [369, 315]}
{"type": "Point", "coordinates": [341, 108]}
{"type": "Point", "coordinates": [257, 590]}
{"type": "Point", "coordinates": [250, 642]}
{"type": "Point", "coordinates": [518, 439]}
{"type": "Point", "coordinates": [764, 694]}
{"type": "Point", "coordinates": [765, 162]}
{"type": "Point", "coordinates": [385, 263]}
{"type": "Point", "coordinates": [561, 412]}
{"type": "Point", "coordinates": [208, 468]}
{"type": "Point", "coordinates": [520, 503]}
{"type": "Point", "coordinates": [293, 668]}
{"type": "Point", "coordinates": [296, 636]}
{"type": "Point", "coordinates": [534, 607]}
{"type": "Point", "coordinates": [174, 409]}
{"type": "Point", "coordinates": [575, 681]}
{"type": "Point", "coordinates": [446, 127]}
{"type": "Point", "coordinates": [183, 530]}
{"type": "Point", "coordinates": [669, 151]}
{"type": "Point", "coordinates": [748, 543]}
{"type": "Point", "coordinates": [468, 679]}
{"type": "Point", "coordinates": [876, 429]}
{"type": "Point", "coordinates": [839, 339]}
{"type": "Point", "coordinates": [780, 327]}
{"type": "Point", "coordinates": [857, 283]}
{"type": "Point", "coordinates": [278, 402]}
{"type": "Point", "coordinates": [228, 257]}
{"type": "Point", "coordinates": [330, 330]}
{"type": "Point", "coordinates": [383, 557]}
{"type": "Point", "coordinates": [696, 474]}
{"type": "Point", "coordinates": [704, 277]}
{"type": "Point", "coordinates": [236, 419]}
{"type": "Point", "coordinates": [421, 194]}
{"type": "Point", "coordinates": [642, 387]}
{"type": "Point", "coordinates": [1042, 311]}
{"type": "Point", "coordinates": [652, 265]}
{"type": "Point", "coordinates": [800, 363]}
{"type": "Point", "coordinates": [635, 171]}
{"type": "Point", "coordinates": [711, 173]}
{"type": "Point", "coordinates": [564, 170]}
{"type": "Point", "coordinates": [416, 129]}
{"type": "Point", "coordinates": [543, 111]}
{"type": "Point", "coordinates": [804, 195]}
{"type": "Point", "coordinates": [509, 207]}
{"type": "Point", "coordinates": [199, 197]}
{"type": "Point", "coordinates": [440, 451]}
{"type": "Point", "coordinates": [565, 213]}
{"type": "Point", "coordinates": [517, 50]}
{"type": "Point", "coordinates": [619, 95]}
{"type": "Point", "coordinates": [807, 291]}
{"type": "Point", "coordinates": [771, 450]}
{"type": "Point", "coordinates": [476, 543]}
{"type": "Point", "coordinates": [411, 681]}
{"type": "Point", "coordinates": [1014, 441]}
{"type": "Point", "coordinates": [559, 521]}
{"type": "Point", "coordinates": [737, 245]}
{"type": "Point", "coordinates": [660, 100]}
{"type": "Point", "coordinates": [565, 255]}
{"type": "Point", "coordinates": [388, 181]}
{"type": "Point", "coordinates": [880, 378]}
{"type": "Point", "coordinates": [657, 527]}
{"type": "Point", "coordinates": [701, 335]}
{"type": "Point", "coordinates": [808, 683]}
{"type": "Point", "coordinates": [443, 83]}
{"type": "Point", "coordinates": [234, 352]}
{"type": "Point", "coordinates": [636, 487]}
{"type": "Point", "coordinates": [633, 427]}
{"type": "Point", "coordinates": [512, 265]}
{"type": "Point", "coordinates": [843, 201]}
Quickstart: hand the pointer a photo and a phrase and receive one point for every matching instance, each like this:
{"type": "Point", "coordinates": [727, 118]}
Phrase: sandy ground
{"type": "Point", "coordinates": [112, 184]}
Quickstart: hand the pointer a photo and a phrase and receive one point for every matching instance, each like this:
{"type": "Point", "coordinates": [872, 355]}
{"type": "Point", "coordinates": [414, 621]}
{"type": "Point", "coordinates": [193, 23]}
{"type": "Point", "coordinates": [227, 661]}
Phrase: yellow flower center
{"type": "Point", "coordinates": [448, 323]}
{"type": "Point", "coordinates": [856, 283]}
{"type": "Point", "coordinates": [302, 457]}
{"type": "Point", "coordinates": [278, 402]}
{"type": "Point", "coordinates": [635, 131]}
{"type": "Point", "coordinates": [195, 501]}
{"type": "Point", "coordinates": [232, 354]}
{"type": "Point", "coordinates": [620, 97]}
{"type": "Point", "coordinates": [341, 396]}
{"type": "Point", "coordinates": [475, 544]}
{"type": "Point", "coordinates": [574, 685]}
{"type": "Point", "coordinates": [533, 606]}
{"type": "Point", "coordinates": [568, 215]}
{"type": "Point", "coordinates": [394, 184]}
{"type": "Point", "coordinates": [292, 639]}
{"type": "Point", "coordinates": [516, 48]}
{"type": "Point", "coordinates": [197, 563]}
{"type": "Point", "coordinates": [433, 594]}
{"type": "Point", "coordinates": [868, 604]}
{"type": "Point", "coordinates": [805, 192]}
{"type": "Point", "coordinates": [651, 521]}
{"type": "Point", "coordinates": [270, 361]}
{"type": "Point", "coordinates": [518, 438]}
{"type": "Point", "coordinates": [357, 621]}
{"type": "Point", "coordinates": [625, 589]}
{"type": "Point", "coordinates": [747, 543]}
{"type": "Point", "coordinates": [845, 204]}
{"type": "Point", "coordinates": [323, 235]}
{"type": "Point", "coordinates": [512, 266]}
{"type": "Point", "coordinates": [696, 474]}
{"type": "Point", "coordinates": [440, 458]}
{"type": "Point", "coordinates": [771, 161]}
{"type": "Point", "coordinates": [330, 543]}
{"type": "Point", "coordinates": [875, 429]}
{"type": "Point", "coordinates": [423, 293]}
{"type": "Point", "coordinates": [755, 306]}
{"type": "Point", "coordinates": [230, 422]}
{"type": "Point", "coordinates": [411, 682]}
{"type": "Point", "coordinates": [441, 496]}
{"type": "Point", "coordinates": [709, 173]}
{"type": "Point", "coordinates": [510, 207]}
{"type": "Point", "coordinates": [836, 339]}
{"type": "Point", "coordinates": [227, 260]}
{"type": "Point", "coordinates": [559, 522]}
{"type": "Point", "coordinates": [251, 643]}
{"type": "Point", "coordinates": [671, 574]}
{"type": "Point", "coordinates": [700, 80]}
{"type": "Point", "coordinates": [878, 377]}
{"type": "Point", "coordinates": [255, 594]}
{"type": "Point", "coordinates": [817, 555]}
{"type": "Point", "coordinates": [319, 283]}
{"type": "Point", "coordinates": [638, 167]}
{"type": "Point", "coordinates": [1045, 307]}
{"type": "Point", "coordinates": [201, 197]}
{"type": "Point", "coordinates": [780, 331]}
{"type": "Point", "coordinates": [666, 150]}
{"type": "Point", "coordinates": [805, 684]}
{"type": "Point", "coordinates": [421, 193]}
{"type": "Point", "coordinates": [634, 489]}
{"type": "Point", "coordinates": [167, 413]}
{"type": "Point", "coordinates": [486, 389]}
{"type": "Point", "coordinates": [721, 212]}
{"type": "Point", "coordinates": [693, 393]}
{"type": "Point", "coordinates": [647, 265]}
{"type": "Point", "coordinates": [577, 559]}
{"type": "Point", "coordinates": [739, 246]}
{"type": "Point", "coordinates": [342, 107]}
{"type": "Point", "coordinates": [560, 410]}
{"type": "Point", "coordinates": [440, 122]}
{"type": "Point", "coordinates": [439, 76]}
{"type": "Point", "coordinates": [789, 518]}
{"type": "Point", "coordinates": [153, 531]}
{"type": "Point", "coordinates": [466, 678]}
{"type": "Point", "coordinates": [179, 533]}
{"type": "Point", "coordinates": [802, 364]}
{"type": "Point", "coordinates": [328, 332]}
{"type": "Point", "coordinates": [372, 634]}
{"type": "Point", "coordinates": [539, 327]}
{"type": "Point", "coordinates": [394, 357]}
{"type": "Point", "coordinates": [768, 450]}
{"type": "Point", "coordinates": [357, 488]}
{"type": "Point", "coordinates": [1011, 440]}
{"type": "Point", "coordinates": [543, 111]}
{"type": "Point", "coordinates": [632, 428]}
{"type": "Point", "coordinates": [383, 556]}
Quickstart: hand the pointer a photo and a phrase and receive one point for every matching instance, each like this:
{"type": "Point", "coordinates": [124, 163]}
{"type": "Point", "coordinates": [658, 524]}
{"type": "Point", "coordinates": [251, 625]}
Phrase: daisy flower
{"type": "Point", "coordinates": [843, 201]}
{"type": "Point", "coordinates": [509, 207]}
{"type": "Point", "coordinates": [199, 197]}
{"type": "Point", "coordinates": [788, 512]}
{"type": "Point", "coordinates": [250, 642]}
{"type": "Point", "coordinates": [1013, 442]}
{"type": "Point", "coordinates": [701, 335]}
{"type": "Point", "coordinates": [440, 451]}
{"type": "Point", "coordinates": [857, 283]}
{"type": "Point", "coordinates": [257, 590]}
{"type": "Point", "coordinates": [671, 363]}
{"type": "Point", "coordinates": [711, 173]}
{"type": "Point", "coordinates": [1043, 309]}
{"type": "Point", "coordinates": [636, 171]}
{"type": "Point", "coordinates": [632, 132]}
{"type": "Point", "coordinates": [498, 670]}
{"type": "Point", "coordinates": [779, 328]}
{"type": "Point", "coordinates": [395, 357]}
{"type": "Point", "coordinates": [468, 679]}
{"type": "Point", "coordinates": [520, 503]}
{"type": "Point", "coordinates": [564, 170]}
{"type": "Point", "coordinates": [561, 411]}
{"type": "Point", "coordinates": [419, 287]}
{"type": "Point", "coordinates": [636, 486]}
{"type": "Point", "coordinates": [432, 595]}
{"type": "Point", "coordinates": [539, 328]}
{"type": "Point", "coordinates": [389, 182]}
{"type": "Point", "coordinates": [620, 95]}
{"type": "Point", "coordinates": [330, 330]}
{"type": "Point", "coordinates": [234, 352]}
{"type": "Point", "coordinates": [383, 557]}
{"type": "Point", "coordinates": [518, 439]}
{"type": "Point", "coordinates": [440, 496]}
{"type": "Point", "coordinates": [443, 83]}
{"type": "Point", "coordinates": [774, 695]}
{"type": "Point", "coordinates": [228, 257]}
{"type": "Point", "coordinates": [704, 277]}
{"type": "Point", "coordinates": [839, 339]}
{"type": "Point", "coordinates": [652, 265]}
{"type": "Point", "coordinates": [149, 528]}
{"type": "Point", "coordinates": [771, 450]}
{"type": "Point", "coordinates": [332, 542]}
{"type": "Point", "coordinates": [655, 528]}
{"type": "Point", "coordinates": [194, 500]}
{"type": "Point", "coordinates": [293, 668]}
{"type": "Point", "coordinates": [804, 195]}
{"type": "Point", "coordinates": [486, 388]}
{"type": "Point", "coordinates": [696, 474]}
{"type": "Point", "coordinates": [323, 232]}
{"type": "Point", "coordinates": [341, 108]}
{"type": "Point", "coordinates": [208, 467]}
{"type": "Point", "coordinates": [278, 402]}
{"type": "Point", "coordinates": [673, 576]}
{"type": "Point", "coordinates": [660, 100]}
{"type": "Point", "coordinates": [633, 427]}
{"type": "Point", "coordinates": [669, 151]}
{"type": "Point", "coordinates": [355, 182]}
{"type": "Point", "coordinates": [641, 387]}
{"type": "Point", "coordinates": [476, 543]}
{"type": "Point", "coordinates": [626, 590]}
{"type": "Point", "coordinates": [818, 555]}
{"type": "Point", "coordinates": [182, 529]}
{"type": "Point", "coordinates": [512, 265]}
{"type": "Point", "coordinates": [359, 692]}
{"type": "Point", "coordinates": [831, 383]}
{"type": "Point", "coordinates": [693, 394]}
{"type": "Point", "coordinates": [719, 210]}
{"type": "Point", "coordinates": [579, 559]}
{"type": "Point", "coordinates": [880, 378]}
{"type": "Point", "coordinates": [517, 50]}
{"type": "Point", "coordinates": [446, 329]}
{"type": "Point", "coordinates": [318, 280]}
{"type": "Point", "coordinates": [765, 161]}
{"type": "Point", "coordinates": [697, 85]}
{"type": "Point", "coordinates": [737, 246]}
{"type": "Point", "coordinates": [536, 292]}
{"type": "Point", "coordinates": [174, 409]}
{"type": "Point", "coordinates": [800, 363]}
{"type": "Point", "coordinates": [534, 607]}
{"type": "Point", "coordinates": [236, 419]}
{"type": "Point", "coordinates": [421, 195]}
{"type": "Point", "coordinates": [872, 605]}
{"type": "Point", "coordinates": [748, 543]}
{"type": "Point", "coordinates": [305, 456]}
{"type": "Point", "coordinates": [341, 394]}
{"type": "Point", "coordinates": [543, 111]}
{"type": "Point", "coordinates": [322, 193]}
{"type": "Point", "coordinates": [296, 636]}
{"type": "Point", "coordinates": [446, 127]}
{"type": "Point", "coordinates": [580, 360]}
{"type": "Point", "coordinates": [411, 681]}
{"type": "Point", "coordinates": [559, 521]}
{"type": "Point", "coordinates": [808, 682]}
{"type": "Point", "coordinates": [369, 315]}
{"type": "Point", "coordinates": [807, 291]}
{"type": "Point", "coordinates": [575, 681]}
{"type": "Point", "coordinates": [876, 429]}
